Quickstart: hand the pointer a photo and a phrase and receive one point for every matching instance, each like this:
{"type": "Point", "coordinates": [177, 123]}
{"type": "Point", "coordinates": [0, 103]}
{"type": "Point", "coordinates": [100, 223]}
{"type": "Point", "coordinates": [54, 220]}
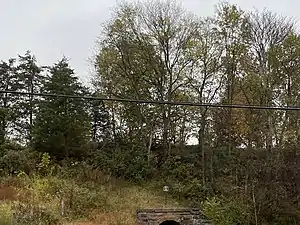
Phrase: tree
{"type": "Point", "coordinates": [146, 53]}
{"type": "Point", "coordinates": [100, 121]}
{"type": "Point", "coordinates": [284, 61]}
{"type": "Point", "coordinates": [31, 78]}
{"type": "Point", "coordinates": [62, 125]}
{"type": "Point", "coordinates": [232, 29]}
{"type": "Point", "coordinates": [266, 30]}
{"type": "Point", "coordinates": [206, 79]}
{"type": "Point", "coordinates": [8, 109]}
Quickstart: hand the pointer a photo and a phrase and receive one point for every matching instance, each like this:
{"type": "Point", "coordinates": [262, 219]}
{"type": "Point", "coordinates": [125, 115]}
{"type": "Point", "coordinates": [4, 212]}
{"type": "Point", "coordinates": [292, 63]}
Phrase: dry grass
{"type": "Point", "coordinates": [122, 199]}
{"type": "Point", "coordinates": [125, 201]}
{"type": "Point", "coordinates": [7, 193]}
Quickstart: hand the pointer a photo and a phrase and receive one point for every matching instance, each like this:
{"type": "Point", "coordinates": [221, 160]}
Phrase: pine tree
{"type": "Point", "coordinates": [100, 121]}
{"type": "Point", "coordinates": [8, 110]}
{"type": "Point", "coordinates": [30, 75]}
{"type": "Point", "coordinates": [62, 125]}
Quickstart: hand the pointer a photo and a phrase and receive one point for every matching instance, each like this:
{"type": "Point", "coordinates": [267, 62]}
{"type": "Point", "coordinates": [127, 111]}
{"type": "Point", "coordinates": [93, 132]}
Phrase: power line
{"type": "Point", "coordinates": [211, 105]}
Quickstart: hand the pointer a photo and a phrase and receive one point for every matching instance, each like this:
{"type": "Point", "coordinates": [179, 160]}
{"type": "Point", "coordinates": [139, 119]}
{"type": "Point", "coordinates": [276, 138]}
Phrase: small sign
{"type": "Point", "coordinates": [166, 189]}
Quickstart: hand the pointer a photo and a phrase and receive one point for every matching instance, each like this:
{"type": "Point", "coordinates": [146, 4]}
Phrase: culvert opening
{"type": "Point", "coordinates": [169, 222]}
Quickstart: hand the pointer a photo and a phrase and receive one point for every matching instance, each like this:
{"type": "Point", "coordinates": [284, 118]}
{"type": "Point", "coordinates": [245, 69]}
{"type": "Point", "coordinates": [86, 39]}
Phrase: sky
{"type": "Point", "coordinates": [51, 29]}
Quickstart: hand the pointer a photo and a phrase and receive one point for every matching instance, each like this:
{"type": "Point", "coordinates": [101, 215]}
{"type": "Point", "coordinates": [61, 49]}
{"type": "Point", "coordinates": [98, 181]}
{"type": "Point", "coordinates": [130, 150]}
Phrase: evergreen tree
{"type": "Point", "coordinates": [100, 121]}
{"type": "Point", "coordinates": [30, 75]}
{"type": "Point", "coordinates": [8, 109]}
{"type": "Point", "coordinates": [62, 125]}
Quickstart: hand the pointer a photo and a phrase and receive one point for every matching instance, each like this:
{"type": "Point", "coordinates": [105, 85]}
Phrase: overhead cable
{"type": "Point", "coordinates": [143, 101]}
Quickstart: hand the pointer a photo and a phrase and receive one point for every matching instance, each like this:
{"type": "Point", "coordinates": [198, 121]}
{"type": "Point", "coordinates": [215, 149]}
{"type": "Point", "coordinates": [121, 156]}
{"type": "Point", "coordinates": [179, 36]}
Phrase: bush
{"type": "Point", "coordinates": [184, 181]}
{"type": "Point", "coordinates": [226, 212]}
{"type": "Point", "coordinates": [195, 192]}
{"type": "Point", "coordinates": [128, 164]}
{"type": "Point", "coordinates": [34, 215]}
{"type": "Point", "coordinates": [81, 200]}
{"type": "Point", "coordinates": [9, 146]}
{"type": "Point", "coordinates": [80, 171]}
{"type": "Point", "coordinates": [16, 161]}
{"type": "Point", "coordinates": [173, 168]}
{"type": "Point", "coordinates": [78, 200]}
{"type": "Point", "coordinates": [288, 219]}
{"type": "Point", "coordinates": [44, 167]}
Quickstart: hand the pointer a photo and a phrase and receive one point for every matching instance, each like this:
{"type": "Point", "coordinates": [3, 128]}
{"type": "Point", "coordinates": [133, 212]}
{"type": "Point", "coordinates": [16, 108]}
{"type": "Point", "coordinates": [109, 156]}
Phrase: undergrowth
{"type": "Point", "coordinates": [76, 192]}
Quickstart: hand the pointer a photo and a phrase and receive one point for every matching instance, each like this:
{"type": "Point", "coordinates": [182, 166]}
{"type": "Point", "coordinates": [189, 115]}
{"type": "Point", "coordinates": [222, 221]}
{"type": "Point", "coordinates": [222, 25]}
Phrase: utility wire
{"type": "Point", "coordinates": [239, 106]}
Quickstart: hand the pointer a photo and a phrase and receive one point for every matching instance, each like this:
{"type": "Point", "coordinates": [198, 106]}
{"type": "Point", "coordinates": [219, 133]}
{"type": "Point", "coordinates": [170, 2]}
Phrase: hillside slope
{"type": "Point", "coordinates": [124, 202]}
{"type": "Point", "coordinates": [31, 200]}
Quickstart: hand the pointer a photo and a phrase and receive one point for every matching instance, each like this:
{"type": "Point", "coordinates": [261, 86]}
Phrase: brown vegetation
{"type": "Point", "coordinates": [7, 193]}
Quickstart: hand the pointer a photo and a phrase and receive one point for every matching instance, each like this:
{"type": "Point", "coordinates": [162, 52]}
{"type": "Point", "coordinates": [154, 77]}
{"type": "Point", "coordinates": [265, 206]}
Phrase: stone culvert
{"type": "Point", "coordinates": [171, 217]}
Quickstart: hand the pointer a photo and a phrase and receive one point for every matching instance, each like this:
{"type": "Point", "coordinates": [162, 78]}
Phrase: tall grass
{"type": "Point", "coordinates": [89, 198]}
{"type": "Point", "coordinates": [6, 214]}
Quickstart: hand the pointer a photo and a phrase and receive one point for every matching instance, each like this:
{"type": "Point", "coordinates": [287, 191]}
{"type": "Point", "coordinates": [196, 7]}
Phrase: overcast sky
{"type": "Point", "coordinates": [51, 29]}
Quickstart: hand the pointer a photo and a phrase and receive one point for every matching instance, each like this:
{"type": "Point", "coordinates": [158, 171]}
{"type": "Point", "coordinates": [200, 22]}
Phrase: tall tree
{"type": "Point", "coordinates": [100, 121]}
{"type": "Point", "coordinates": [62, 125]}
{"type": "Point", "coordinates": [284, 61]}
{"type": "Point", "coordinates": [30, 75]}
{"type": "Point", "coordinates": [266, 30]}
{"type": "Point", "coordinates": [206, 78]}
{"type": "Point", "coordinates": [144, 53]}
{"type": "Point", "coordinates": [8, 109]}
{"type": "Point", "coordinates": [231, 26]}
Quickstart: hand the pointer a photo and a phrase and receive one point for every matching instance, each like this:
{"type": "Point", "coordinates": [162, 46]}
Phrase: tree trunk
{"type": "Point", "coordinates": [150, 146]}
{"type": "Point", "coordinates": [166, 127]}
{"type": "Point", "coordinates": [31, 109]}
{"type": "Point", "coordinates": [254, 205]}
{"type": "Point", "coordinates": [2, 129]}
{"type": "Point", "coordinates": [114, 128]}
{"type": "Point", "coordinates": [269, 140]}
{"type": "Point", "coordinates": [212, 167]}
{"type": "Point", "coordinates": [201, 133]}
{"type": "Point", "coordinates": [182, 132]}
{"type": "Point", "coordinates": [4, 118]}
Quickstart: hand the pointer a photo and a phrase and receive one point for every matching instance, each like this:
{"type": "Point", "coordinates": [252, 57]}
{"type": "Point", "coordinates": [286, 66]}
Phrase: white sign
{"type": "Point", "coordinates": [166, 188]}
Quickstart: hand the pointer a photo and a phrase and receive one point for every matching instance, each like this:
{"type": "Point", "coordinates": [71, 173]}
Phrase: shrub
{"type": "Point", "coordinates": [184, 181]}
{"type": "Point", "coordinates": [195, 192]}
{"type": "Point", "coordinates": [81, 200]}
{"type": "Point", "coordinates": [9, 146]}
{"type": "Point", "coordinates": [175, 169]}
{"type": "Point", "coordinates": [288, 219]}
{"type": "Point", "coordinates": [25, 214]}
{"type": "Point", "coordinates": [78, 200]}
{"type": "Point", "coordinates": [16, 161]}
{"type": "Point", "coordinates": [44, 167]}
{"type": "Point", "coordinates": [130, 164]}
{"type": "Point", "coordinates": [226, 212]}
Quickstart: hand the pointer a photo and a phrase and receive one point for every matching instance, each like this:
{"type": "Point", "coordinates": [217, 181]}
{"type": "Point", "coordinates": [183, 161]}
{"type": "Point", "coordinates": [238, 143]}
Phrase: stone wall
{"type": "Point", "coordinates": [181, 216]}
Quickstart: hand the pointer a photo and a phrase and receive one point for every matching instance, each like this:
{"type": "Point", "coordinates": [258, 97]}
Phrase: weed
{"type": "Point", "coordinates": [5, 214]}
{"type": "Point", "coordinates": [25, 214]}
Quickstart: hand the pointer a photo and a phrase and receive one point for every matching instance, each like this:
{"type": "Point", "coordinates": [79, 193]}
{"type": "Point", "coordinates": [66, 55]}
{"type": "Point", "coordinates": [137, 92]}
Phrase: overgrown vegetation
{"type": "Point", "coordinates": [75, 191]}
{"type": "Point", "coordinates": [244, 168]}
